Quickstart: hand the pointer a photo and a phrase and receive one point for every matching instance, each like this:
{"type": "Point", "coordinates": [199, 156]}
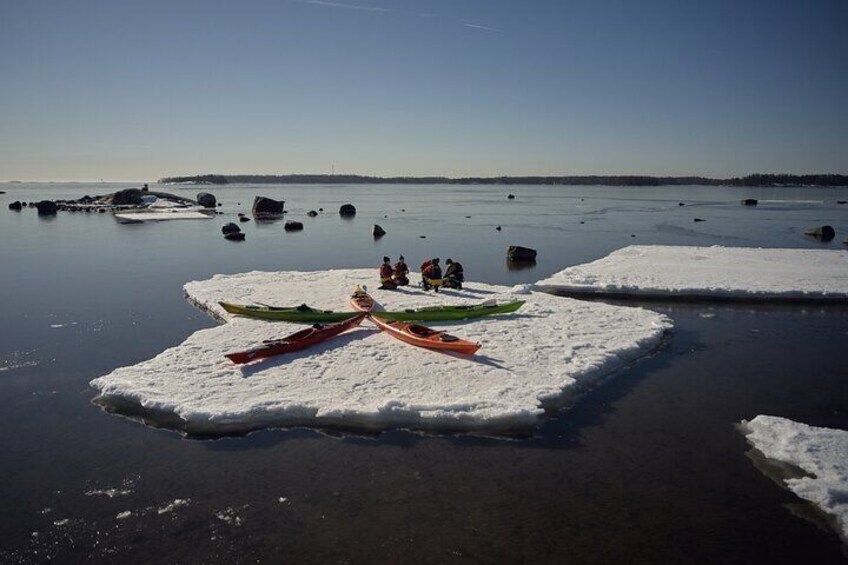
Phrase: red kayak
{"type": "Point", "coordinates": [296, 341]}
{"type": "Point", "coordinates": [422, 336]}
{"type": "Point", "coordinates": [361, 300]}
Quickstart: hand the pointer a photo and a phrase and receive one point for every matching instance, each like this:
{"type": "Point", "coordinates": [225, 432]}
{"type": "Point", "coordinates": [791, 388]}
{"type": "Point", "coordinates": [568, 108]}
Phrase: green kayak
{"type": "Point", "coordinates": [303, 313]}
{"type": "Point", "coordinates": [445, 313]}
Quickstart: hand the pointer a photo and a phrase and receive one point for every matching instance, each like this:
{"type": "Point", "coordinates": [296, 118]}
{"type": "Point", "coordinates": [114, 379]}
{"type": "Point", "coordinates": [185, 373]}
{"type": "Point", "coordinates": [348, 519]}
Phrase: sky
{"type": "Point", "coordinates": [109, 90]}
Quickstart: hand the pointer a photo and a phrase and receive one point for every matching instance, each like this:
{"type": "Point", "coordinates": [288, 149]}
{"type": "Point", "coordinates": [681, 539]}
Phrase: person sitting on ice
{"type": "Point", "coordinates": [400, 275]}
{"type": "Point", "coordinates": [454, 274]}
{"type": "Point", "coordinates": [431, 275]}
{"type": "Point", "coordinates": [386, 282]}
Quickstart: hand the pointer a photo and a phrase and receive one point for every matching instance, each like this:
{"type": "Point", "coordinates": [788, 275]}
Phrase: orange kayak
{"type": "Point", "coordinates": [361, 300]}
{"type": "Point", "coordinates": [422, 336]}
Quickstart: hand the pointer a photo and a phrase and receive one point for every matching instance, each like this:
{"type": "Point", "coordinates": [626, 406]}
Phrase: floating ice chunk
{"type": "Point", "coordinates": [229, 516]}
{"type": "Point", "coordinates": [123, 515]}
{"type": "Point", "coordinates": [552, 347]}
{"type": "Point", "coordinates": [111, 492]}
{"type": "Point", "coordinates": [820, 453]}
{"type": "Point", "coordinates": [173, 505]}
{"type": "Point", "coordinates": [709, 272]}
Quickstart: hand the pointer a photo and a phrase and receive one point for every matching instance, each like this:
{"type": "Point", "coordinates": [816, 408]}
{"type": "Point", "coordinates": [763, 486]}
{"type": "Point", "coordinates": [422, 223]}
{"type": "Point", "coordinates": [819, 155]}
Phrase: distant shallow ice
{"type": "Point", "coordinates": [551, 348]}
{"type": "Point", "coordinates": [162, 214]}
{"type": "Point", "coordinates": [820, 453]}
{"type": "Point", "coordinates": [709, 272]}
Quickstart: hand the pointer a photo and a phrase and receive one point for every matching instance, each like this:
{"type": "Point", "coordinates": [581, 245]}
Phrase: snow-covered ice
{"type": "Point", "coordinates": [709, 272]}
{"type": "Point", "coordinates": [822, 455]}
{"type": "Point", "coordinates": [552, 347]}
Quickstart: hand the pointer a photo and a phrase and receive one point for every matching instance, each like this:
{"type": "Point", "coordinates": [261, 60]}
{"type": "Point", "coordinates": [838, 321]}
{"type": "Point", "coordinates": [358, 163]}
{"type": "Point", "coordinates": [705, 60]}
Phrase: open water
{"type": "Point", "coordinates": [646, 468]}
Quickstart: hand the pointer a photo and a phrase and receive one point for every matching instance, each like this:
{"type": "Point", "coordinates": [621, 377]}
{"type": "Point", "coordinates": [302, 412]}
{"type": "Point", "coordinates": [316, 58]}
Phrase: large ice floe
{"type": "Point", "coordinates": [709, 272]}
{"type": "Point", "coordinates": [536, 358]}
{"type": "Point", "coordinates": [811, 462]}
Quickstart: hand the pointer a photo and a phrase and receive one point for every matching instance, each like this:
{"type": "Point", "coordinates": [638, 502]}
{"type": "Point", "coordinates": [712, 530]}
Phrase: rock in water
{"type": "Point", "coordinates": [267, 208]}
{"type": "Point", "coordinates": [312, 213]}
{"type": "Point", "coordinates": [244, 219]}
{"type": "Point", "coordinates": [378, 232]}
{"type": "Point", "coordinates": [235, 236]}
{"type": "Point", "coordinates": [230, 228]}
{"type": "Point", "coordinates": [206, 200]}
{"type": "Point", "coordinates": [46, 208]}
{"type": "Point", "coordinates": [293, 226]}
{"type": "Point", "coordinates": [347, 210]}
{"type": "Point", "coordinates": [16, 205]}
{"type": "Point", "coordinates": [824, 233]}
{"type": "Point", "coordinates": [518, 253]}
{"type": "Point", "coordinates": [127, 197]}
{"type": "Point", "coordinates": [749, 202]}
{"type": "Point", "coordinates": [510, 197]}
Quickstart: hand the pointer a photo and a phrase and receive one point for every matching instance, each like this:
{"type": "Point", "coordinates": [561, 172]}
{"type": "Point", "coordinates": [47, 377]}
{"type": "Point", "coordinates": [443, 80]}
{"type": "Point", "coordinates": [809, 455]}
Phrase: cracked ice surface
{"type": "Point", "coordinates": [549, 349]}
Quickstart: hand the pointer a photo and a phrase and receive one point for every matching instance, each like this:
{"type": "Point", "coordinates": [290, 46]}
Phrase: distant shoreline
{"type": "Point", "coordinates": [774, 180]}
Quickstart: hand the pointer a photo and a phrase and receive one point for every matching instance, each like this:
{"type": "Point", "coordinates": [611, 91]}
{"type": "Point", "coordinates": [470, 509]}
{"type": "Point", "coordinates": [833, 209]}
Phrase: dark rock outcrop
{"type": "Point", "coordinates": [230, 228]}
{"type": "Point", "coordinates": [16, 205]}
{"type": "Point", "coordinates": [235, 236]}
{"type": "Point", "coordinates": [510, 197]}
{"type": "Point", "coordinates": [700, 220]}
{"type": "Point", "coordinates": [347, 210]}
{"type": "Point", "coordinates": [265, 208]}
{"type": "Point", "coordinates": [127, 197]}
{"type": "Point", "coordinates": [312, 213]}
{"type": "Point", "coordinates": [293, 226]}
{"type": "Point", "coordinates": [206, 200]}
{"type": "Point", "coordinates": [749, 202]}
{"type": "Point", "coordinates": [46, 208]}
{"type": "Point", "coordinates": [824, 233]}
{"type": "Point", "coordinates": [243, 219]}
{"type": "Point", "coordinates": [518, 253]}
{"type": "Point", "coordinates": [378, 231]}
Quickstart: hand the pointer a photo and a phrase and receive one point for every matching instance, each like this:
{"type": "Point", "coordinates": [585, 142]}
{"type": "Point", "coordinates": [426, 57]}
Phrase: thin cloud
{"type": "Point", "coordinates": [484, 28]}
{"type": "Point", "coordinates": [347, 6]}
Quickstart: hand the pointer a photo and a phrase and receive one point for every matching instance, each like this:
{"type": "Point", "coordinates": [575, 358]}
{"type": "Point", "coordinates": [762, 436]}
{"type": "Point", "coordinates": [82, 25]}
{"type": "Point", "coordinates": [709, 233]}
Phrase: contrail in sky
{"type": "Point", "coordinates": [485, 28]}
{"type": "Point", "coordinates": [348, 6]}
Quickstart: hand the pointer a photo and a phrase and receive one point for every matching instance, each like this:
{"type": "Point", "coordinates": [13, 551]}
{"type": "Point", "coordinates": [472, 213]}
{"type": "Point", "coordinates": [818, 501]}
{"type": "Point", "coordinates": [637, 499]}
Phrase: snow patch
{"type": "Point", "coordinates": [709, 272]}
{"type": "Point", "coordinates": [364, 379]}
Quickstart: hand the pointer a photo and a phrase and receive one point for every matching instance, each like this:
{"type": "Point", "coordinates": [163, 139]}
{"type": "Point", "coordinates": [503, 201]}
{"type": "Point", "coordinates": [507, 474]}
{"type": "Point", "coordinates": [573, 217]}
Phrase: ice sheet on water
{"type": "Point", "coordinates": [820, 453]}
{"type": "Point", "coordinates": [365, 379]}
{"type": "Point", "coordinates": [719, 272]}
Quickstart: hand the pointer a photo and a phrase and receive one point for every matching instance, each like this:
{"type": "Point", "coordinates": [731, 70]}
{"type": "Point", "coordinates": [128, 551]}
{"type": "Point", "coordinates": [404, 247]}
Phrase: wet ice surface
{"type": "Point", "coordinates": [549, 349]}
{"type": "Point", "coordinates": [718, 272]}
{"type": "Point", "coordinates": [821, 455]}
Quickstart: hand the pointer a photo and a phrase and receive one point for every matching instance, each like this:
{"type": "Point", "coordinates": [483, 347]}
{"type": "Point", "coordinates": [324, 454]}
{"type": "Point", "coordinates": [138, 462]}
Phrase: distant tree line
{"type": "Point", "coordinates": [790, 180]}
{"type": "Point", "coordinates": [621, 180]}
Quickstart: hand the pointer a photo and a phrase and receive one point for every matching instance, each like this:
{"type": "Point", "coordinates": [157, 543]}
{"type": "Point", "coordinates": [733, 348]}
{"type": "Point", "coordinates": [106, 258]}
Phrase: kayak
{"type": "Point", "coordinates": [296, 341]}
{"type": "Point", "coordinates": [441, 313]}
{"type": "Point", "coordinates": [302, 313]}
{"type": "Point", "coordinates": [361, 300]}
{"type": "Point", "coordinates": [423, 336]}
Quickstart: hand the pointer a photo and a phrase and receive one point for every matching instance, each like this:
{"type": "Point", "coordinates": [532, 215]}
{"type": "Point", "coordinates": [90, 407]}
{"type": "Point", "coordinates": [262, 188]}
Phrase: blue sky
{"type": "Point", "coordinates": [140, 90]}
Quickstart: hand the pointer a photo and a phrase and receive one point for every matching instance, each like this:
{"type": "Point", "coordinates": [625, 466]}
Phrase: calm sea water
{"type": "Point", "coordinates": [647, 467]}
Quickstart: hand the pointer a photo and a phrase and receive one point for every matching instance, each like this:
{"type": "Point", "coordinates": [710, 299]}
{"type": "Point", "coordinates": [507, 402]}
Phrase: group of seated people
{"type": "Point", "coordinates": [431, 274]}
